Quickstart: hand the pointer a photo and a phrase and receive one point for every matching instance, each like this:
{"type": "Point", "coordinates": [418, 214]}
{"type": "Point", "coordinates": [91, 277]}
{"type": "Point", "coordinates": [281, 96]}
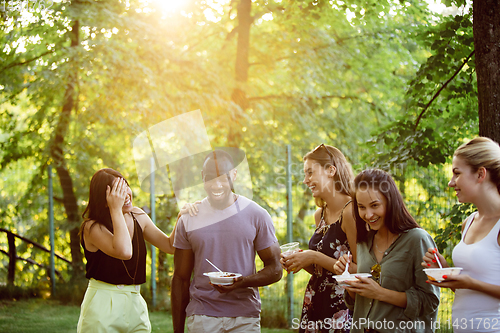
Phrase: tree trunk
{"type": "Point", "coordinates": [57, 153]}
{"type": "Point", "coordinates": [486, 27]}
{"type": "Point", "coordinates": [241, 69]}
{"type": "Point", "coordinates": [244, 23]}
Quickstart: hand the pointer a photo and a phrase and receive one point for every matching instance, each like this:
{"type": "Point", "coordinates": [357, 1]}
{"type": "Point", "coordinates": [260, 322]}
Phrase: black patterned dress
{"type": "Point", "coordinates": [324, 309]}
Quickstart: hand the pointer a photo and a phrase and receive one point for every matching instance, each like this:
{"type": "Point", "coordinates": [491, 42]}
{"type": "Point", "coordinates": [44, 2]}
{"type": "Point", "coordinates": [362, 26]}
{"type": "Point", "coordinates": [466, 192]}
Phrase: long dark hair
{"type": "Point", "coordinates": [397, 218]}
{"type": "Point", "coordinates": [97, 209]}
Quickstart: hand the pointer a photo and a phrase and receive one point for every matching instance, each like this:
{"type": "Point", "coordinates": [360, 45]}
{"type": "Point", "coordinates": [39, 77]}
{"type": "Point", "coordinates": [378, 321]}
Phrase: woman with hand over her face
{"type": "Point", "coordinates": [329, 177]}
{"type": "Point", "coordinates": [112, 237]}
{"type": "Point", "coordinates": [476, 180]}
{"type": "Point", "coordinates": [390, 246]}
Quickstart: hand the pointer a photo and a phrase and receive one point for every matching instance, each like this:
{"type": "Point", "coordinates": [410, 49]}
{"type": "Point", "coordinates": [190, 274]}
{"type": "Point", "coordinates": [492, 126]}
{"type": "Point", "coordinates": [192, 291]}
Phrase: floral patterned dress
{"type": "Point", "coordinates": [324, 309]}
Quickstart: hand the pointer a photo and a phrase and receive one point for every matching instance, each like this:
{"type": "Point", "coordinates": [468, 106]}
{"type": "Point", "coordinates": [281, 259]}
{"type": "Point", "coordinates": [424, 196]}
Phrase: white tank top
{"type": "Point", "coordinates": [475, 311]}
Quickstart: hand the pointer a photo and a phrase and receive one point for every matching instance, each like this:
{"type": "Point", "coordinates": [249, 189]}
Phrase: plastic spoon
{"type": "Point", "coordinates": [346, 272]}
{"type": "Point", "coordinates": [437, 259]}
{"type": "Point", "coordinates": [217, 268]}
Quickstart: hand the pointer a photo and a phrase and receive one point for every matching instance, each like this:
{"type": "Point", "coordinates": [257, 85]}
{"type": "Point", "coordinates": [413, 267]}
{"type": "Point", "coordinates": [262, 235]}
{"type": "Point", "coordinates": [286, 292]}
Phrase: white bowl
{"type": "Point", "coordinates": [222, 278]}
{"type": "Point", "coordinates": [436, 274]}
{"type": "Point", "coordinates": [342, 279]}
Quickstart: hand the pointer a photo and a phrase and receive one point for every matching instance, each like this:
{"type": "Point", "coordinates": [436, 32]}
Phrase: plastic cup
{"type": "Point", "coordinates": [290, 248]}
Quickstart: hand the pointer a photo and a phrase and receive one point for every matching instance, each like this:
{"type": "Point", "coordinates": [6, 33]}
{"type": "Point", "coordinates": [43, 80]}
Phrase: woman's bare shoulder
{"type": "Point", "coordinates": [87, 225]}
{"type": "Point", "coordinates": [141, 216]}
{"type": "Point", "coordinates": [88, 236]}
{"type": "Point", "coordinates": [137, 210]}
{"type": "Point", "coordinates": [348, 212]}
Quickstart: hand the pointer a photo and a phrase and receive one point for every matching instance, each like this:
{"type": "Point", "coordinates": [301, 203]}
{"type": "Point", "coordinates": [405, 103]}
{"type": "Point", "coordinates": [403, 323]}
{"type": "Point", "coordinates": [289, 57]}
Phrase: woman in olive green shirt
{"type": "Point", "coordinates": [390, 245]}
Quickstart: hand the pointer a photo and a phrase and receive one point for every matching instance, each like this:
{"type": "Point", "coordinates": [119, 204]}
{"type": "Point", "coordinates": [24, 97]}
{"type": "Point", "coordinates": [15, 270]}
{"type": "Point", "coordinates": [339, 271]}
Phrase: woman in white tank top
{"type": "Point", "coordinates": [476, 180]}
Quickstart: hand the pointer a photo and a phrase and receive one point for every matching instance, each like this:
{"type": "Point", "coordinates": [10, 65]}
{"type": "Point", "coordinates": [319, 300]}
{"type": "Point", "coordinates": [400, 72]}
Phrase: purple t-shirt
{"type": "Point", "coordinates": [229, 238]}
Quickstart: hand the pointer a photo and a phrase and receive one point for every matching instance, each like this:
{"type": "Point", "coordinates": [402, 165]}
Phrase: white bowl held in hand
{"type": "Point", "coordinates": [436, 274]}
{"type": "Point", "coordinates": [342, 279]}
{"type": "Point", "coordinates": [222, 278]}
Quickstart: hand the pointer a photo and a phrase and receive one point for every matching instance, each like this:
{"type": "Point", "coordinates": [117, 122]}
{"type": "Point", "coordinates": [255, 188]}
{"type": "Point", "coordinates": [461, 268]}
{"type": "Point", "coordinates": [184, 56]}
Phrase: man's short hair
{"type": "Point", "coordinates": [219, 156]}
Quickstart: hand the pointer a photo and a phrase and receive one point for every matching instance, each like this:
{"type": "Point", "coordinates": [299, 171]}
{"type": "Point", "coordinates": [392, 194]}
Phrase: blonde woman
{"type": "Point", "coordinates": [476, 180]}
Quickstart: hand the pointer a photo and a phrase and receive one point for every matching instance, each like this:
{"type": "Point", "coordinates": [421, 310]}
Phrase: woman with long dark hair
{"type": "Point", "coordinates": [112, 236]}
{"type": "Point", "coordinates": [390, 246]}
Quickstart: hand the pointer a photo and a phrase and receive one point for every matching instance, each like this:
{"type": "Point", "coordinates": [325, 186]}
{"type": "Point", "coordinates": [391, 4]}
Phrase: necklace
{"type": "Point", "coordinates": [376, 246]}
{"type": "Point", "coordinates": [324, 229]}
{"type": "Point", "coordinates": [138, 251]}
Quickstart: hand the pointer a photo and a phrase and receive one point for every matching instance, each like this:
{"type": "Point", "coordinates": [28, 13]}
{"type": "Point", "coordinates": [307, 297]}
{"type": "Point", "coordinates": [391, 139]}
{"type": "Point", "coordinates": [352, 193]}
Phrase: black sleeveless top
{"type": "Point", "coordinates": [323, 299]}
{"type": "Point", "coordinates": [111, 270]}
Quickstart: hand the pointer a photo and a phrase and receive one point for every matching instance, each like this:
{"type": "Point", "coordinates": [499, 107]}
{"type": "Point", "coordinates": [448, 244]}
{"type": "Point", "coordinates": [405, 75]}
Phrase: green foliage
{"type": "Point", "coordinates": [440, 108]}
{"type": "Point", "coordinates": [451, 233]}
{"type": "Point", "coordinates": [338, 72]}
{"type": "Point", "coordinates": [17, 293]}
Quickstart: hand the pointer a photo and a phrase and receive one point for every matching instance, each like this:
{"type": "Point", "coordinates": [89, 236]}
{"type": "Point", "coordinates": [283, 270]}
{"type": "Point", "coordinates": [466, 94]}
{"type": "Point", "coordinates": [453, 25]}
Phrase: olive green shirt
{"type": "Point", "coordinates": [401, 270]}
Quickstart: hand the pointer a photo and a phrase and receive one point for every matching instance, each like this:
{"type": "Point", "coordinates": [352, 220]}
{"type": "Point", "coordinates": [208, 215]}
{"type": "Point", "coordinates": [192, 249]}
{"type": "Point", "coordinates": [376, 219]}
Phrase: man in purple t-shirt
{"type": "Point", "coordinates": [228, 230]}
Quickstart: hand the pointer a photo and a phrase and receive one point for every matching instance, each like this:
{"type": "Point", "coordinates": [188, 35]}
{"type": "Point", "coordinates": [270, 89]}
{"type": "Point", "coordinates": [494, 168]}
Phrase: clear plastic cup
{"type": "Point", "coordinates": [290, 248]}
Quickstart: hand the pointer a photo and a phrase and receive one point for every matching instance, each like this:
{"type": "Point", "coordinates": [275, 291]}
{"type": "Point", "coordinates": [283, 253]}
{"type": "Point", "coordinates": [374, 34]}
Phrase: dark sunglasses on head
{"type": "Point", "coordinates": [326, 148]}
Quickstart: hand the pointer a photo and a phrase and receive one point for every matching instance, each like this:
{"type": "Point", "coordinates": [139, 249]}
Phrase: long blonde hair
{"type": "Point", "coordinates": [482, 152]}
{"type": "Point", "coordinates": [344, 176]}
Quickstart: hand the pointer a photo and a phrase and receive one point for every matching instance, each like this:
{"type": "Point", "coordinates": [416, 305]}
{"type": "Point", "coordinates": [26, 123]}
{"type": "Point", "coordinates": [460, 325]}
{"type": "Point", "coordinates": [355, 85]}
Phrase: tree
{"type": "Point", "coordinates": [95, 74]}
{"type": "Point", "coordinates": [238, 95]}
{"type": "Point", "coordinates": [453, 95]}
{"type": "Point", "coordinates": [57, 148]}
{"type": "Point", "coordinates": [57, 145]}
{"type": "Point", "coordinates": [486, 17]}
{"type": "Point", "coordinates": [68, 123]}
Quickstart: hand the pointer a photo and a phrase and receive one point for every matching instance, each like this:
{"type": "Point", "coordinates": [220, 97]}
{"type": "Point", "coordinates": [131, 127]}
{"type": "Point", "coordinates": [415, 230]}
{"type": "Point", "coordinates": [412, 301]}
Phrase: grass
{"type": "Point", "coordinates": [38, 315]}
